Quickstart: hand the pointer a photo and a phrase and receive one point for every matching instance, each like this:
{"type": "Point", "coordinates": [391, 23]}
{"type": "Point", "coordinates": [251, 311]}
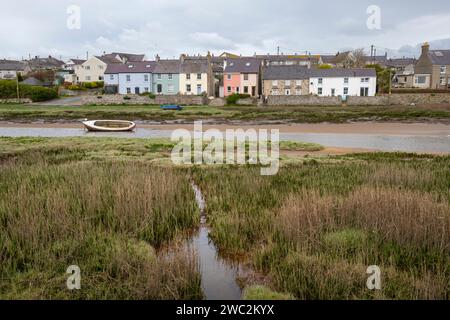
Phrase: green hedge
{"type": "Point", "coordinates": [233, 98]}
{"type": "Point", "coordinates": [8, 90]}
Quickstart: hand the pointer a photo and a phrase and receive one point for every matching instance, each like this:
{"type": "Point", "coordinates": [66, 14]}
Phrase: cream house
{"type": "Point", "coordinates": [92, 69]}
{"type": "Point", "coordinates": [196, 76]}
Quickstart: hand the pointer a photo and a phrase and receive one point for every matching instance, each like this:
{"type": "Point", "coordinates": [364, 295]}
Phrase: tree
{"type": "Point", "coordinates": [359, 58]}
{"type": "Point", "coordinates": [383, 77]}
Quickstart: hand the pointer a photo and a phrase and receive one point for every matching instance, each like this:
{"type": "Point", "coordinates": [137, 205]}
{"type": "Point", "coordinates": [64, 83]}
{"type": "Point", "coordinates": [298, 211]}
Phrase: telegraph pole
{"type": "Point", "coordinates": [17, 84]}
{"type": "Point", "coordinates": [278, 50]}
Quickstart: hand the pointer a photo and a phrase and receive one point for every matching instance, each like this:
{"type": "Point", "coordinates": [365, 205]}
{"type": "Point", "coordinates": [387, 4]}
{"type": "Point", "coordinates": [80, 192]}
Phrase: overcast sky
{"type": "Point", "coordinates": [196, 26]}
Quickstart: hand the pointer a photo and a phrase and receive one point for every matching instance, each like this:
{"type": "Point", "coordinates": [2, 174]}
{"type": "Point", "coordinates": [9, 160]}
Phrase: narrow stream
{"type": "Point", "coordinates": [218, 276]}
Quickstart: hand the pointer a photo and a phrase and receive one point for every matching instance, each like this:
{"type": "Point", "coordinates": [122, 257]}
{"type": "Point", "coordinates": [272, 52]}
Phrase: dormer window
{"type": "Point", "coordinates": [248, 64]}
{"type": "Point", "coordinates": [130, 66]}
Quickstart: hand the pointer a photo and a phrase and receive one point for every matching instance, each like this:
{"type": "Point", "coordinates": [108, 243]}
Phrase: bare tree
{"type": "Point", "coordinates": [359, 58]}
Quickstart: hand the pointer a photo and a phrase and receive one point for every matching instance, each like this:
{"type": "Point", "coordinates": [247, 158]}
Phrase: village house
{"type": "Point", "coordinates": [50, 63]}
{"type": "Point", "coordinates": [72, 66]}
{"type": "Point", "coordinates": [93, 69]}
{"type": "Point", "coordinates": [285, 80]}
{"type": "Point", "coordinates": [129, 78]}
{"type": "Point", "coordinates": [432, 69]}
{"type": "Point", "coordinates": [10, 68]}
{"type": "Point", "coordinates": [343, 82]}
{"type": "Point", "coordinates": [166, 77]}
{"type": "Point", "coordinates": [404, 72]}
{"type": "Point", "coordinates": [280, 60]}
{"type": "Point", "coordinates": [242, 76]}
{"type": "Point", "coordinates": [196, 75]}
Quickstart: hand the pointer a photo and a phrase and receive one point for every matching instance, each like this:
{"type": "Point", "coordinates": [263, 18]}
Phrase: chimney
{"type": "Point", "coordinates": [157, 58]}
{"type": "Point", "coordinates": [425, 48]}
{"type": "Point", "coordinates": [208, 56]}
{"type": "Point", "coordinates": [182, 57]}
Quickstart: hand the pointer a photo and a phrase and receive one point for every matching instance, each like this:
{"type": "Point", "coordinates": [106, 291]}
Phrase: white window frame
{"type": "Point", "coordinates": [188, 88]}
{"type": "Point", "coordinates": [159, 76]}
{"type": "Point", "coordinates": [146, 78]}
{"type": "Point", "coordinates": [287, 92]}
{"type": "Point", "coordinates": [320, 91]}
{"type": "Point", "coordinates": [111, 77]}
{"type": "Point", "coordinates": [298, 92]}
{"type": "Point", "coordinates": [345, 89]}
{"type": "Point", "coordinates": [298, 83]}
{"type": "Point", "coordinates": [128, 78]}
{"type": "Point", "coordinates": [228, 76]}
{"type": "Point", "coordinates": [128, 90]}
{"type": "Point", "coordinates": [346, 80]}
{"type": "Point", "coordinates": [443, 69]}
{"type": "Point", "coordinates": [170, 88]}
{"type": "Point", "coordinates": [188, 76]}
{"type": "Point", "coordinates": [320, 80]}
{"type": "Point", "coordinates": [229, 89]}
{"type": "Point", "coordinates": [287, 82]}
{"type": "Point", "coordinates": [170, 76]}
{"type": "Point", "coordinates": [199, 76]}
{"type": "Point", "coordinates": [275, 83]}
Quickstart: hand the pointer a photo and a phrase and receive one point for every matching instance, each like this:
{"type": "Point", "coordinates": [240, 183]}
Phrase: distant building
{"type": "Point", "coordinates": [196, 75]}
{"type": "Point", "coordinates": [432, 69]}
{"type": "Point", "coordinates": [300, 80]}
{"type": "Point", "coordinates": [280, 60]}
{"type": "Point", "coordinates": [9, 68]}
{"type": "Point", "coordinates": [404, 72]}
{"type": "Point", "coordinates": [285, 80]}
{"type": "Point", "coordinates": [50, 63]}
{"type": "Point", "coordinates": [241, 75]}
{"type": "Point", "coordinates": [343, 82]}
{"type": "Point", "coordinates": [130, 78]}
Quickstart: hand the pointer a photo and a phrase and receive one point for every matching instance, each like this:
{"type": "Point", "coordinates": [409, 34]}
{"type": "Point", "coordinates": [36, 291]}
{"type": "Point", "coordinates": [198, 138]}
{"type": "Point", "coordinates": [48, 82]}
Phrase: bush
{"type": "Point", "coordinates": [93, 85]}
{"type": "Point", "coordinates": [148, 94]}
{"type": "Point", "coordinates": [126, 98]}
{"type": "Point", "coordinates": [8, 90]}
{"type": "Point", "coordinates": [74, 87]}
{"type": "Point", "coordinates": [232, 99]}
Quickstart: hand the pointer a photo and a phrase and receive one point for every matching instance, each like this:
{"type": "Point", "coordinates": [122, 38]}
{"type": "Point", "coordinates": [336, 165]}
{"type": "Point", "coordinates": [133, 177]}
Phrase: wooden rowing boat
{"type": "Point", "coordinates": [109, 125]}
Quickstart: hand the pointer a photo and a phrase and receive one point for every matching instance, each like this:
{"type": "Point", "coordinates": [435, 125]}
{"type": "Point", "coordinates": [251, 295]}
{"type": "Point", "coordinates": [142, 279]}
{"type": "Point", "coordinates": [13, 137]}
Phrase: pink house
{"type": "Point", "coordinates": [241, 75]}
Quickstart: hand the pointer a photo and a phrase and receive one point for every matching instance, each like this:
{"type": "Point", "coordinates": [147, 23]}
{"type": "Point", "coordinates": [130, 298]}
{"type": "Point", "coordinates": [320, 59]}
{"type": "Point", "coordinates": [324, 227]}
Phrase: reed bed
{"type": "Point", "coordinates": [315, 227]}
{"type": "Point", "coordinates": [106, 217]}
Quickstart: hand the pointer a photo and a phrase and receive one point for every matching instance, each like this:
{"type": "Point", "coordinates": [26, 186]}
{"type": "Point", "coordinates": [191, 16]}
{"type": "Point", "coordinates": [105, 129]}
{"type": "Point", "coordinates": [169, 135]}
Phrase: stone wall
{"type": "Point", "coordinates": [108, 99]}
{"type": "Point", "coordinates": [217, 102]}
{"type": "Point", "coordinates": [15, 101]}
{"type": "Point", "coordinates": [247, 102]}
{"type": "Point", "coordinates": [185, 100]}
{"type": "Point", "coordinates": [419, 98]}
{"type": "Point", "coordinates": [306, 100]}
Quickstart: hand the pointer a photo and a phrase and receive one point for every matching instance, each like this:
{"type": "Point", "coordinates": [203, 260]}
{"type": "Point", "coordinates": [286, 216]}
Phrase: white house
{"type": "Point", "coordinates": [130, 78]}
{"type": "Point", "coordinates": [343, 82]}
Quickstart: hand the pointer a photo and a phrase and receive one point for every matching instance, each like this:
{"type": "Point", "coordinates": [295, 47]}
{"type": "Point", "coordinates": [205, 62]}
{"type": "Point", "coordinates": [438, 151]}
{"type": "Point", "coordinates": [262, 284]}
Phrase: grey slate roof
{"type": "Point", "coordinates": [11, 65]}
{"type": "Point", "coordinates": [194, 66]}
{"type": "Point", "coordinates": [108, 58]}
{"type": "Point", "coordinates": [78, 61]}
{"type": "Point", "coordinates": [243, 65]}
{"type": "Point", "coordinates": [441, 57]}
{"type": "Point", "coordinates": [290, 72]}
{"type": "Point", "coordinates": [342, 72]}
{"type": "Point", "coordinates": [400, 62]}
{"type": "Point", "coordinates": [167, 66]}
{"type": "Point", "coordinates": [45, 63]}
{"type": "Point", "coordinates": [131, 67]}
{"type": "Point", "coordinates": [33, 82]}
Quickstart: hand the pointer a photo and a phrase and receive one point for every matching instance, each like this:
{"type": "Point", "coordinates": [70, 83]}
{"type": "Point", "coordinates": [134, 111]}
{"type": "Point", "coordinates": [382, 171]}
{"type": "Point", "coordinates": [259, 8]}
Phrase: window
{"type": "Point", "coordinates": [229, 89]}
{"type": "Point", "coordinates": [333, 92]}
{"type": "Point", "coordinates": [100, 78]}
{"type": "Point", "coordinates": [146, 89]}
{"type": "Point", "coordinates": [364, 92]}
{"type": "Point", "coordinates": [237, 89]}
{"type": "Point", "coordinates": [287, 92]}
{"type": "Point", "coordinates": [274, 92]}
{"type": "Point", "coordinates": [100, 67]}
{"type": "Point", "coordinates": [158, 76]}
{"type": "Point", "coordinates": [128, 90]}
{"type": "Point", "coordinates": [287, 82]}
{"type": "Point", "coordinates": [170, 88]}
{"type": "Point", "coordinates": [188, 88]}
{"type": "Point", "coordinates": [245, 89]}
{"type": "Point", "coordinates": [128, 78]}
{"type": "Point", "coordinates": [298, 83]}
{"type": "Point", "coordinates": [229, 76]}
{"type": "Point", "coordinates": [443, 69]}
{"type": "Point", "coordinates": [364, 80]}
{"type": "Point", "coordinates": [345, 80]}
{"type": "Point", "coordinates": [442, 81]}
{"type": "Point", "coordinates": [298, 92]}
{"type": "Point", "coordinates": [88, 67]}
{"type": "Point", "coordinates": [146, 77]}
{"type": "Point", "coordinates": [199, 76]}
{"type": "Point", "coordinates": [367, 80]}
{"type": "Point", "coordinates": [319, 91]}
{"type": "Point", "coordinates": [320, 81]}
{"type": "Point", "coordinates": [170, 76]}
{"type": "Point", "coordinates": [345, 91]}
{"type": "Point", "coordinates": [188, 76]}
{"type": "Point", "coordinates": [88, 78]}
{"type": "Point", "coordinates": [246, 76]}
{"type": "Point", "coordinates": [274, 83]}
{"type": "Point", "coordinates": [111, 77]}
{"type": "Point", "coordinates": [421, 79]}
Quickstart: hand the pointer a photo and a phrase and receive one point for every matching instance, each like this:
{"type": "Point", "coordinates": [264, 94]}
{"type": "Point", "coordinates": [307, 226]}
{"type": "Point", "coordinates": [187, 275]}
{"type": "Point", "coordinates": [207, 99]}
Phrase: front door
{"type": "Point", "coordinates": [254, 91]}
{"type": "Point", "coordinates": [333, 92]}
{"type": "Point", "coordinates": [159, 88]}
{"type": "Point", "coordinates": [137, 90]}
{"type": "Point", "coordinates": [199, 89]}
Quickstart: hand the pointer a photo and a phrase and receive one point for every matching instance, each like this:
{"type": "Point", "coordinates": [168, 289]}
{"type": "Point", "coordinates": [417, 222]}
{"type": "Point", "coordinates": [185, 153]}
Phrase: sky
{"type": "Point", "coordinates": [169, 28]}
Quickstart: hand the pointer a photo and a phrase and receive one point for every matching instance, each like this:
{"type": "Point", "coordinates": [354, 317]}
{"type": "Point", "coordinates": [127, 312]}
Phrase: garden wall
{"type": "Point", "coordinates": [15, 101]}
{"type": "Point", "coordinates": [307, 100]}
{"type": "Point", "coordinates": [107, 99]}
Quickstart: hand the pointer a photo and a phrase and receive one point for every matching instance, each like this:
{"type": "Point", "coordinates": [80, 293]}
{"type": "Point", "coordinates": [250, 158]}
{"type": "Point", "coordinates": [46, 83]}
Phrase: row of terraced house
{"type": "Point", "coordinates": [226, 74]}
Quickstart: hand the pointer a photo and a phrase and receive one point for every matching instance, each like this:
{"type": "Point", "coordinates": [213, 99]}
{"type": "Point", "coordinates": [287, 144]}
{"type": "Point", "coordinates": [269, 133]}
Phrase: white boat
{"type": "Point", "coordinates": [109, 125]}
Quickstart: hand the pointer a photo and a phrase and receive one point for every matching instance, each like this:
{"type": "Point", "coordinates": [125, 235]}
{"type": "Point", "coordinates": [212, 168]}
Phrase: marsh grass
{"type": "Point", "coordinates": [315, 227]}
{"type": "Point", "coordinates": [58, 209]}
